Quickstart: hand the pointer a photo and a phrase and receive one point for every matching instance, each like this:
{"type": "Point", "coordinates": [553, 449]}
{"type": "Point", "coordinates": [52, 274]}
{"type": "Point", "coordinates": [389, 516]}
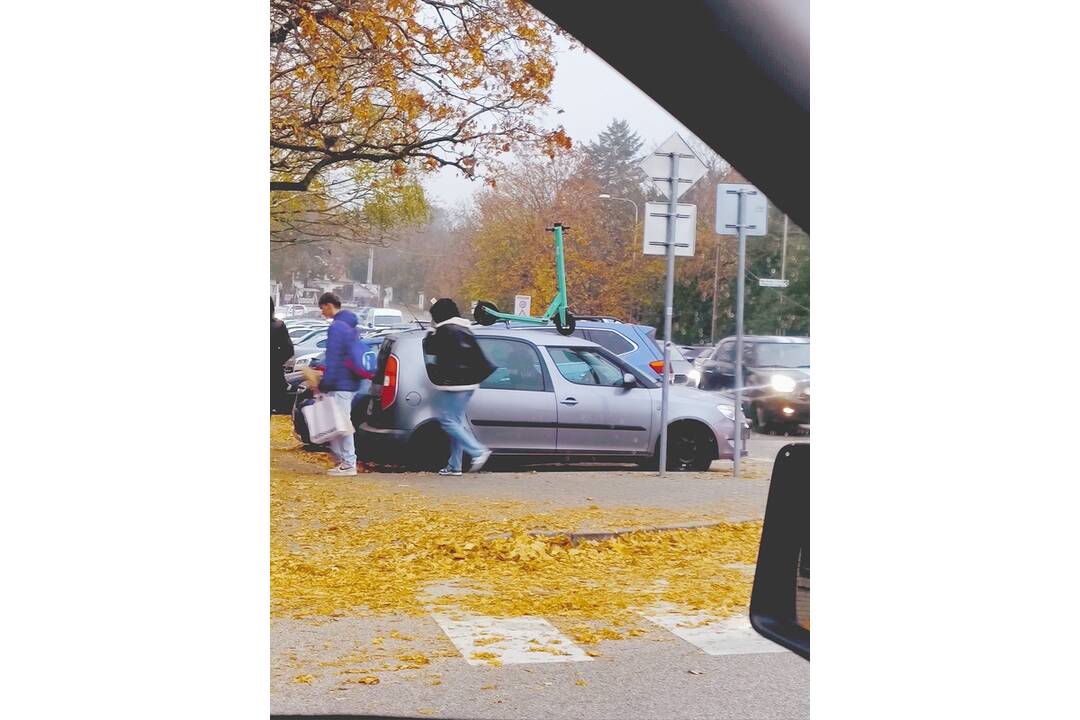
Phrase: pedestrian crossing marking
{"type": "Point", "coordinates": [484, 640]}
{"type": "Point", "coordinates": [710, 633]}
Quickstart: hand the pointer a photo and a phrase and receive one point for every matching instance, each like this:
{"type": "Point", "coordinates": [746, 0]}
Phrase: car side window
{"type": "Point", "coordinates": [517, 365]}
{"type": "Point", "coordinates": [583, 366]}
{"type": "Point", "coordinates": [611, 340]}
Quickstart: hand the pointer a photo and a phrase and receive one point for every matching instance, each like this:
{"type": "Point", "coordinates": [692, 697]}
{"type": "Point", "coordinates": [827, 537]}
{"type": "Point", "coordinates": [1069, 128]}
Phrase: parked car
{"type": "Point", "coordinates": [298, 332]}
{"type": "Point", "coordinates": [635, 344]}
{"type": "Point", "coordinates": [692, 352]}
{"type": "Point", "coordinates": [776, 375]}
{"type": "Point", "coordinates": [313, 342]}
{"type": "Point", "coordinates": [374, 317]}
{"type": "Point", "coordinates": [552, 397]}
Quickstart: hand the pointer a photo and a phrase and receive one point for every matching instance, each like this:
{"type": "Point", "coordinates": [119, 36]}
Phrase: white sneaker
{"type": "Point", "coordinates": [479, 460]}
{"type": "Point", "coordinates": [342, 470]}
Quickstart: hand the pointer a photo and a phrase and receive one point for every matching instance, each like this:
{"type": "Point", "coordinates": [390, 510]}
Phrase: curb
{"type": "Point", "coordinates": [601, 535]}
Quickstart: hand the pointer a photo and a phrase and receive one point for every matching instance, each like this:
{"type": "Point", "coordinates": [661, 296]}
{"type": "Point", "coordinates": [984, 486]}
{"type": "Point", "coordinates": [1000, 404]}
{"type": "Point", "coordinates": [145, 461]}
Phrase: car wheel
{"type": "Point", "coordinates": [481, 314]}
{"type": "Point", "coordinates": [761, 420]}
{"type": "Point", "coordinates": [569, 327]}
{"type": "Point", "coordinates": [689, 449]}
{"type": "Point", "coordinates": [428, 450]}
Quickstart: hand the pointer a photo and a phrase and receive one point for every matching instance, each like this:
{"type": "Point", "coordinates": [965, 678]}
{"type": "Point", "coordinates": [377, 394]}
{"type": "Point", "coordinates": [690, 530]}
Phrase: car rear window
{"type": "Point", "coordinates": [611, 340]}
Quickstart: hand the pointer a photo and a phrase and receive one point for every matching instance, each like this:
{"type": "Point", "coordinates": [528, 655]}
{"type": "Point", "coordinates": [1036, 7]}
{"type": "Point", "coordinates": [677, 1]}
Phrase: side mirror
{"type": "Point", "coordinates": [628, 380]}
{"type": "Point", "coordinates": [780, 602]}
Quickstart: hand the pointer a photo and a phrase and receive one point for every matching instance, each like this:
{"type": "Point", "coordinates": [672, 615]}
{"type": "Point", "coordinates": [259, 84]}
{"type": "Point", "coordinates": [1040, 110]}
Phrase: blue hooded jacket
{"type": "Point", "coordinates": [341, 339]}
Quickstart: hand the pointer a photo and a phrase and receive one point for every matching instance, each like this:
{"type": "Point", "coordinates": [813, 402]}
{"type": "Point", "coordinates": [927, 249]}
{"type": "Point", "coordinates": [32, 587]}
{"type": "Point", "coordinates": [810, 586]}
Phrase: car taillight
{"type": "Point", "coordinates": [657, 366]}
{"type": "Point", "coordinates": [389, 386]}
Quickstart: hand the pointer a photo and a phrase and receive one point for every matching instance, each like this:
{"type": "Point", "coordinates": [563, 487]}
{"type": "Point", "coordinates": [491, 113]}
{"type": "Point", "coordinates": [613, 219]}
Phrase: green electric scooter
{"type": "Point", "coordinates": [486, 313]}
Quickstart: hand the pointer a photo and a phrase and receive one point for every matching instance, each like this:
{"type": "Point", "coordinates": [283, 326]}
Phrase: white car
{"type": "Point", "coordinates": [380, 317]}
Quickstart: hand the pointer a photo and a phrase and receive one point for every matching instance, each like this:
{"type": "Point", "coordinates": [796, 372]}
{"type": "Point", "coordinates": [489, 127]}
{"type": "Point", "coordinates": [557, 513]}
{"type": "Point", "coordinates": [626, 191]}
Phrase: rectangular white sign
{"type": "Point", "coordinates": [523, 304]}
{"type": "Point", "coordinates": [656, 229]}
{"type": "Point", "coordinates": [772, 282]}
{"type": "Point", "coordinates": [755, 209]}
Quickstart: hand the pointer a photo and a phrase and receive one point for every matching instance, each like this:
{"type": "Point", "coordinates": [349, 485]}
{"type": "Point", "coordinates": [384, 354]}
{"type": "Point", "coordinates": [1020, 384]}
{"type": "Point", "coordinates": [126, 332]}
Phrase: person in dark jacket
{"type": "Point", "coordinates": [281, 349]}
{"type": "Point", "coordinates": [456, 367]}
{"type": "Point", "coordinates": [340, 380]}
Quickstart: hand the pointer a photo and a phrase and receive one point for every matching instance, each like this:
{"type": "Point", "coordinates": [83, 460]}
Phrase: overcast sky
{"type": "Point", "coordinates": [591, 94]}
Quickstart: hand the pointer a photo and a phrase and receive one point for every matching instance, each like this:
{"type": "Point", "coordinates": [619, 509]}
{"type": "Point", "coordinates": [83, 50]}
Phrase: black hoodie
{"type": "Point", "coordinates": [458, 362]}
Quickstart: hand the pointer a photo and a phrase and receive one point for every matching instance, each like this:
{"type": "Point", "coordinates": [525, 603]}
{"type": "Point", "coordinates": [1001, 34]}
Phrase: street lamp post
{"type": "Point", "coordinates": [607, 196]}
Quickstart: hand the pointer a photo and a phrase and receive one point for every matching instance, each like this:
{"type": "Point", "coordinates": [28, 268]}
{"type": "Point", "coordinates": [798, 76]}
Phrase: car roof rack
{"type": "Point", "coordinates": [599, 318]}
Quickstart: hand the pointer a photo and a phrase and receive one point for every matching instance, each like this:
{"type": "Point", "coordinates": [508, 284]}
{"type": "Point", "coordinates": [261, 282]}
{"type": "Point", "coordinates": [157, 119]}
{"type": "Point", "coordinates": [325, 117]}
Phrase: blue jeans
{"type": "Point", "coordinates": [451, 407]}
{"type": "Point", "coordinates": [344, 447]}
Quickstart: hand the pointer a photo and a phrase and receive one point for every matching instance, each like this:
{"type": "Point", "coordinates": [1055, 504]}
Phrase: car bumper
{"type": "Point", "coordinates": [785, 409]}
{"type": "Point", "coordinates": [725, 442]}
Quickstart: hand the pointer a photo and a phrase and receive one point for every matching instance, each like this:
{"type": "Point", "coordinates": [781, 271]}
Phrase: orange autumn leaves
{"type": "Point", "coordinates": [412, 82]}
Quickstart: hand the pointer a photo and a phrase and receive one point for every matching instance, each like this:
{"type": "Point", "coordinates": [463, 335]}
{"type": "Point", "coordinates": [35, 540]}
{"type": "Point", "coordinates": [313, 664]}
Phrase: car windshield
{"type": "Point", "coordinates": [790, 355]}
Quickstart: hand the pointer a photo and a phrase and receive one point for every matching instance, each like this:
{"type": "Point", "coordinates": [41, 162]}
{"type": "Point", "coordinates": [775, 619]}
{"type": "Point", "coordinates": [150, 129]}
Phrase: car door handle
{"type": "Point", "coordinates": [569, 401]}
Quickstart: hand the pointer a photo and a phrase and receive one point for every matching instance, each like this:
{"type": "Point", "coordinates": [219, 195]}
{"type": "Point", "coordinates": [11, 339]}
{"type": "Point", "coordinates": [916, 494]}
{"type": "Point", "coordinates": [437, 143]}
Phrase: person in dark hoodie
{"type": "Point", "coordinates": [456, 367]}
{"type": "Point", "coordinates": [340, 379]}
{"type": "Point", "coordinates": [281, 349]}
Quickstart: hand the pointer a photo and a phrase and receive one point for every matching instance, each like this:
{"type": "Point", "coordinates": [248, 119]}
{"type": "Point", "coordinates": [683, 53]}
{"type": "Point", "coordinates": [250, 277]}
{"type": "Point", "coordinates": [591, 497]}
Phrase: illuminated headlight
{"type": "Point", "coordinates": [727, 411]}
{"type": "Point", "coordinates": [694, 376]}
{"type": "Point", "coordinates": [782, 383]}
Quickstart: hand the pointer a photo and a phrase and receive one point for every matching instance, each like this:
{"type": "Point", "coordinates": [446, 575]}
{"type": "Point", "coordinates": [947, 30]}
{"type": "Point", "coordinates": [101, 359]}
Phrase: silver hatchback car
{"type": "Point", "coordinates": [552, 398]}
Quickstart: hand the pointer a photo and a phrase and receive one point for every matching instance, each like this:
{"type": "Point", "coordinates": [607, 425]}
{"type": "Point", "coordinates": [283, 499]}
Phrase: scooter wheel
{"type": "Point", "coordinates": [571, 324]}
{"type": "Point", "coordinates": [481, 314]}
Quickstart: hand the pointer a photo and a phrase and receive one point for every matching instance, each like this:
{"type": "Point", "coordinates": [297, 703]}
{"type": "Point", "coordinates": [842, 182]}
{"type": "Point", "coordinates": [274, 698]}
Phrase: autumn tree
{"type": "Point", "coordinates": [393, 82]}
{"type": "Point", "coordinates": [512, 253]}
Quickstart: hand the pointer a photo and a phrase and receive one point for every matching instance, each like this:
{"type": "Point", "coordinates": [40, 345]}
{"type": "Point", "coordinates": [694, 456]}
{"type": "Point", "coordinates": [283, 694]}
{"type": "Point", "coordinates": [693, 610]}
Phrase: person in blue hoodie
{"type": "Point", "coordinates": [341, 378]}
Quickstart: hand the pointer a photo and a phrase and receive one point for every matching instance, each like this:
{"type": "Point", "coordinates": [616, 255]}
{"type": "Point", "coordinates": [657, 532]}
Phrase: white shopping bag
{"type": "Point", "coordinates": [325, 420]}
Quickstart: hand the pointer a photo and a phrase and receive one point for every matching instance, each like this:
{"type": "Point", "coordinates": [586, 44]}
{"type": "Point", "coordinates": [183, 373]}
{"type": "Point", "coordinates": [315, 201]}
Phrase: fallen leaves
{"type": "Point", "coordinates": [305, 679]}
{"type": "Point", "coordinates": [366, 548]}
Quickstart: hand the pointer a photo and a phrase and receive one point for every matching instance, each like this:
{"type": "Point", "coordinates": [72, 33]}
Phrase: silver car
{"type": "Point", "coordinates": [551, 398]}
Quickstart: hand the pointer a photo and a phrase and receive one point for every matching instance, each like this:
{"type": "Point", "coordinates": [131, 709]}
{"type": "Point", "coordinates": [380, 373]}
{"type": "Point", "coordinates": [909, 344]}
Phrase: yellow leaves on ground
{"type": "Point", "coordinates": [488, 640]}
{"type": "Point", "coordinates": [484, 655]}
{"type": "Point", "coordinates": [305, 679]}
{"type": "Point", "coordinates": [361, 548]}
{"type": "Point", "coordinates": [581, 682]}
{"type": "Point", "coordinates": [414, 660]}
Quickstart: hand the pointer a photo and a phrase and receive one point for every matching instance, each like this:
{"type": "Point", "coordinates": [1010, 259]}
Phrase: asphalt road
{"type": "Point", "coordinates": [677, 669]}
{"type": "Point", "coordinates": [657, 675]}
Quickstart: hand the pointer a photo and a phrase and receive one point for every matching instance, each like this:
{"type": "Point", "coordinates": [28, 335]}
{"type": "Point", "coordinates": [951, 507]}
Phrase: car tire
{"type": "Point", "coordinates": [428, 449]}
{"type": "Point", "coordinates": [569, 327]}
{"type": "Point", "coordinates": [761, 420]}
{"type": "Point", "coordinates": [689, 449]}
{"type": "Point", "coordinates": [481, 314]}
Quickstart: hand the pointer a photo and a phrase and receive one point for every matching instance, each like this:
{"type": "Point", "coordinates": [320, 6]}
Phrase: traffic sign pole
{"type": "Point", "coordinates": [669, 300]}
{"type": "Point", "coordinates": [739, 289]}
{"type": "Point", "coordinates": [674, 149]}
{"type": "Point", "coordinates": [741, 208]}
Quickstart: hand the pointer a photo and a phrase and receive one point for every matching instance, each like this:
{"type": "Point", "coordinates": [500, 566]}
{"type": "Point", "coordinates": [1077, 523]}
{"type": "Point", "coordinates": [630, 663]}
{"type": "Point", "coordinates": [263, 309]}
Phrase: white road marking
{"type": "Point", "coordinates": [513, 640]}
{"type": "Point", "coordinates": [712, 634]}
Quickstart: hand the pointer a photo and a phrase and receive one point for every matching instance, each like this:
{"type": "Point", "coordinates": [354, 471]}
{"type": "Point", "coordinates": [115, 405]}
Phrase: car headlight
{"type": "Point", "coordinates": [727, 411]}
{"type": "Point", "coordinates": [782, 383]}
{"type": "Point", "coordinates": [694, 376]}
